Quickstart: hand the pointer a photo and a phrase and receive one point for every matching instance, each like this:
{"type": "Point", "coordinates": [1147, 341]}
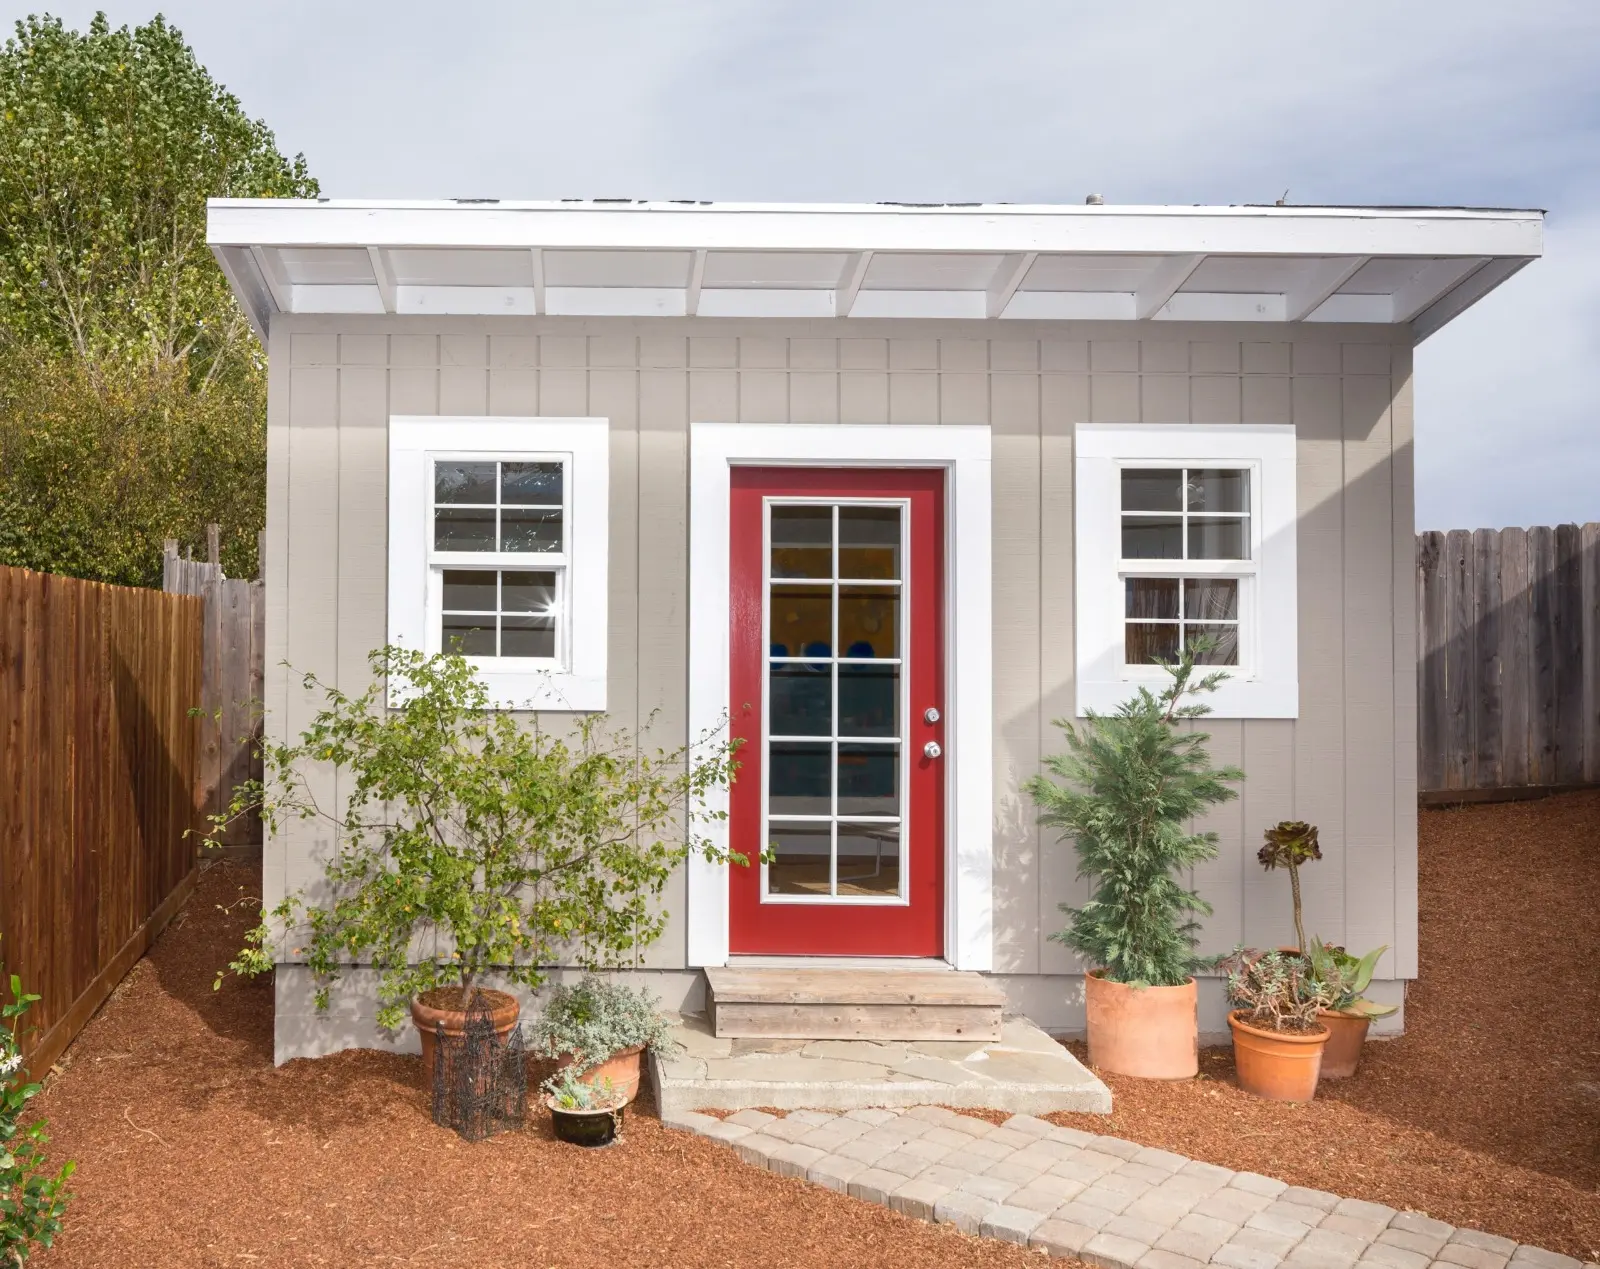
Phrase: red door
{"type": "Point", "coordinates": [837, 678]}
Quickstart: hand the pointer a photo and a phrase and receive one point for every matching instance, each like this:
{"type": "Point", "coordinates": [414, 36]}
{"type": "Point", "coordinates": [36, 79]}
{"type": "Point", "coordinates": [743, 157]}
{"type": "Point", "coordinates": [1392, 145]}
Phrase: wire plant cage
{"type": "Point", "coordinates": [480, 1080]}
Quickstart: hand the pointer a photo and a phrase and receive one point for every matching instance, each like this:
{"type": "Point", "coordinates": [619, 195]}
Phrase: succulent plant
{"type": "Point", "coordinates": [1289, 844]}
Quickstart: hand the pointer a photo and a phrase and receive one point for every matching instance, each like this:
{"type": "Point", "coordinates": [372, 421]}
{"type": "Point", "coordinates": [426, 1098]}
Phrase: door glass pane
{"type": "Point", "coordinates": [869, 779]}
{"type": "Point", "coordinates": [798, 782]}
{"type": "Point", "coordinates": [1225, 639]}
{"type": "Point", "coordinates": [464, 482]}
{"type": "Point", "coordinates": [530, 529]}
{"type": "Point", "coordinates": [469, 635]}
{"type": "Point", "coordinates": [1152, 538]}
{"type": "Point", "coordinates": [1151, 597]}
{"type": "Point", "coordinates": [469, 590]}
{"type": "Point", "coordinates": [463, 529]}
{"type": "Point", "coordinates": [869, 621]}
{"type": "Point", "coordinates": [802, 621]}
{"type": "Point", "coordinates": [1152, 489]}
{"type": "Point", "coordinates": [869, 543]}
{"type": "Point", "coordinates": [531, 484]}
{"type": "Point", "coordinates": [1146, 641]}
{"type": "Point", "coordinates": [1211, 599]}
{"type": "Point", "coordinates": [1218, 489]}
{"type": "Point", "coordinates": [801, 700]}
{"type": "Point", "coordinates": [802, 541]}
{"type": "Point", "coordinates": [869, 859]}
{"type": "Point", "coordinates": [802, 858]}
{"type": "Point", "coordinates": [1219, 538]}
{"type": "Point", "coordinates": [869, 699]}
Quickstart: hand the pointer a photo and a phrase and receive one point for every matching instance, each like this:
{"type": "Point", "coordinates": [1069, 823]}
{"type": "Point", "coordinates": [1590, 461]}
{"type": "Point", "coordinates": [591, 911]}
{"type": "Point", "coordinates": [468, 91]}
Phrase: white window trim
{"type": "Point", "coordinates": [579, 683]}
{"type": "Point", "coordinates": [715, 449]}
{"type": "Point", "coordinates": [1266, 685]}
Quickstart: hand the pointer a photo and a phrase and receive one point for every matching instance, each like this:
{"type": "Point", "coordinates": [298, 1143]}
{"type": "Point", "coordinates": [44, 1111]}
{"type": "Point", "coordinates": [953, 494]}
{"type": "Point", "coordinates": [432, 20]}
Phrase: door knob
{"type": "Point", "coordinates": [931, 749]}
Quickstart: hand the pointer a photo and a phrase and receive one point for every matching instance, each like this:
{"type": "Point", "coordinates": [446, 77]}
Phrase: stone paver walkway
{"type": "Point", "coordinates": [1104, 1200]}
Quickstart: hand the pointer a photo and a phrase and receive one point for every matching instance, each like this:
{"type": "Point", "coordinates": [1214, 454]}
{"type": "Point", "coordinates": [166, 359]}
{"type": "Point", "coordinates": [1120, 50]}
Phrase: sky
{"type": "Point", "coordinates": [1444, 102]}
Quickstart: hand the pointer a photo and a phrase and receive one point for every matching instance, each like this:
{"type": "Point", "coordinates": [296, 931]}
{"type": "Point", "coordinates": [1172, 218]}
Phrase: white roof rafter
{"type": "Point", "coordinates": [1261, 264]}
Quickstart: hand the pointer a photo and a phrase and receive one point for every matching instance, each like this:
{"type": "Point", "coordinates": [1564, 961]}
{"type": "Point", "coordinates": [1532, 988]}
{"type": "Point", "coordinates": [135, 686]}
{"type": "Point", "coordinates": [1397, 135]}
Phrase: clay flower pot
{"type": "Point", "coordinates": [1150, 1032]}
{"type": "Point", "coordinates": [1278, 1066]}
{"type": "Point", "coordinates": [1347, 1032]}
{"type": "Point", "coordinates": [446, 1007]}
{"type": "Point", "coordinates": [623, 1068]}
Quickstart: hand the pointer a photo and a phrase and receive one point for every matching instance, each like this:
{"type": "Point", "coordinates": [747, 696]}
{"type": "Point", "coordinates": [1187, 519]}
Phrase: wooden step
{"type": "Point", "coordinates": [853, 1004]}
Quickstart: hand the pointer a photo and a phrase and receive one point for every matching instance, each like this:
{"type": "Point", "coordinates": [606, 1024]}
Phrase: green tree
{"type": "Point", "coordinates": [112, 142]}
{"type": "Point", "coordinates": [1132, 781]}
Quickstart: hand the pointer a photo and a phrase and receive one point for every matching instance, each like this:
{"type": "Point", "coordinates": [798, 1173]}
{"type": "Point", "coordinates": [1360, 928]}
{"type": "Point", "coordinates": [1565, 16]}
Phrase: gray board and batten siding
{"type": "Point", "coordinates": [1348, 762]}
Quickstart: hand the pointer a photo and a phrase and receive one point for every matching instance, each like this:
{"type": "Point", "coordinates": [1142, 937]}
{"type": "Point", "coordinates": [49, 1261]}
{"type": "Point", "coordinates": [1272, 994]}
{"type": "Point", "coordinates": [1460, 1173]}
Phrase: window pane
{"type": "Point", "coordinates": [802, 621]}
{"type": "Point", "coordinates": [802, 541]}
{"type": "Point", "coordinates": [1152, 538]}
{"type": "Point", "coordinates": [526, 529]}
{"type": "Point", "coordinates": [526, 591]}
{"type": "Point", "coordinates": [869, 699]}
{"type": "Point", "coordinates": [463, 529]}
{"type": "Point", "coordinates": [800, 700]}
{"type": "Point", "coordinates": [1152, 489]}
{"type": "Point", "coordinates": [869, 621]}
{"type": "Point", "coordinates": [798, 783]}
{"type": "Point", "coordinates": [869, 779]}
{"type": "Point", "coordinates": [1213, 599]}
{"type": "Point", "coordinates": [531, 484]}
{"type": "Point", "coordinates": [468, 636]}
{"type": "Point", "coordinates": [1151, 597]}
{"type": "Point", "coordinates": [1145, 642]}
{"type": "Point", "coordinates": [469, 590]}
{"type": "Point", "coordinates": [869, 859]}
{"type": "Point", "coordinates": [1224, 638]}
{"type": "Point", "coordinates": [1219, 539]}
{"type": "Point", "coordinates": [1218, 489]}
{"type": "Point", "coordinates": [869, 542]}
{"type": "Point", "coordinates": [527, 635]}
{"type": "Point", "coordinates": [802, 856]}
{"type": "Point", "coordinates": [463, 482]}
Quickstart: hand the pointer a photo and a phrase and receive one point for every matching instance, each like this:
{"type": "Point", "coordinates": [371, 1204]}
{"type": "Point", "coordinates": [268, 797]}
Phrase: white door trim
{"type": "Point", "coordinates": [963, 452]}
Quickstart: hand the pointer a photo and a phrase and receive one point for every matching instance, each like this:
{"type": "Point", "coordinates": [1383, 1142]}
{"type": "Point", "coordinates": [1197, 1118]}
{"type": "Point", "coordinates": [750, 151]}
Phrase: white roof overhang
{"type": "Point", "coordinates": [1420, 266]}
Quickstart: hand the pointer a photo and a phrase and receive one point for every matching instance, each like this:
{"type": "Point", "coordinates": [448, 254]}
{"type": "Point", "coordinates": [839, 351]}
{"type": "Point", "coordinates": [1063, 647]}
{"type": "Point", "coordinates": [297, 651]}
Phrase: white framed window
{"type": "Point", "coordinates": [498, 533]}
{"type": "Point", "coordinates": [1186, 533]}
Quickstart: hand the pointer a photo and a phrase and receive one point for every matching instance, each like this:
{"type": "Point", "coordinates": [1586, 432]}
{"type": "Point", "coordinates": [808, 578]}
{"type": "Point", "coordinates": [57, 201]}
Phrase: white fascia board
{"type": "Point", "coordinates": [1113, 230]}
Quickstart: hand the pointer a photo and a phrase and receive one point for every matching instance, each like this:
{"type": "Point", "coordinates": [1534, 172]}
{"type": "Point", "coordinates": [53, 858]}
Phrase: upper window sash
{"type": "Point", "coordinates": [514, 516]}
{"type": "Point", "coordinates": [1185, 515]}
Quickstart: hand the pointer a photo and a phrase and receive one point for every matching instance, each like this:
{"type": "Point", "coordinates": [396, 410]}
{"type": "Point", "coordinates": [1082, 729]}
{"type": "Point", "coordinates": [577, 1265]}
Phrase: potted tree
{"type": "Point", "coordinates": [473, 845]}
{"type": "Point", "coordinates": [599, 1030]}
{"type": "Point", "coordinates": [1289, 844]}
{"type": "Point", "coordinates": [1278, 1038]}
{"type": "Point", "coordinates": [1129, 786]}
{"type": "Point", "coordinates": [1348, 1013]}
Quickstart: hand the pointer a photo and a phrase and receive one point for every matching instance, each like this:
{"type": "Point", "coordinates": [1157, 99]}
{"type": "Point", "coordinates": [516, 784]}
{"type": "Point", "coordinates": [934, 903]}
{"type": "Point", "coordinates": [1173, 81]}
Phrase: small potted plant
{"type": "Point", "coordinates": [599, 1029]}
{"type": "Point", "coordinates": [1132, 783]}
{"type": "Point", "coordinates": [1278, 1037]}
{"type": "Point", "coordinates": [582, 1113]}
{"type": "Point", "coordinates": [1348, 1013]}
{"type": "Point", "coordinates": [1290, 844]}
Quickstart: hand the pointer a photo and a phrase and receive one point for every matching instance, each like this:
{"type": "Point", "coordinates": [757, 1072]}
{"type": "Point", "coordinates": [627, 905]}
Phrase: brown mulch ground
{"type": "Point", "coordinates": [1487, 1112]}
{"type": "Point", "coordinates": [194, 1150]}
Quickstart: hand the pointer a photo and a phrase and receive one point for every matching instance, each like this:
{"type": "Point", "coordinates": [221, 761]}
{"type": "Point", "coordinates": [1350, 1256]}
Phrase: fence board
{"type": "Point", "coordinates": [1508, 671]}
{"type": "Point", "coordinates": [98, 755]}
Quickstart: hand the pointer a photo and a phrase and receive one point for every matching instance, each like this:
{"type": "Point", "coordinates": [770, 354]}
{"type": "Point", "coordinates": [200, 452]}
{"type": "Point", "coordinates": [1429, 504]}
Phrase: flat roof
{"type": "Point", "coordinates": [621, 257]}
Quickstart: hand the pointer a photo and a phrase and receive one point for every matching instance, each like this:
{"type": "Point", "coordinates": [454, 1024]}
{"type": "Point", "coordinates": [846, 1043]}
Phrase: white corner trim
{"type": "Point", "coordinates": [963, 452]}
{"type": "Point", "coordinates": [580, 685]}
{"type": "Point", "coordinates": [1268, 685]}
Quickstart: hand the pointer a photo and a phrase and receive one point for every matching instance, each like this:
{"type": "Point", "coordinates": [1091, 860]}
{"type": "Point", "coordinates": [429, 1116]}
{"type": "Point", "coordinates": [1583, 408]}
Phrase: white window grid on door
{"type": "Point", "coordinates": [556, 562]}
{"type": "Point", "coordinates": [1242, 571]}
{"type": "Point", "coordinates": [903, 700]}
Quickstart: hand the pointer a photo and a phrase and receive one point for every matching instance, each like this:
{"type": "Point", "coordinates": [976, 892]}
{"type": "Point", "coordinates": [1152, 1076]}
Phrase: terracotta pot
{"type": "Point", "coordinates": [623, 1068]}
{"type": "Point", "coordinates": [1347, 1032]}
{"type": "Point", "coordinates": [1278, 1066]}
{"type": "Point", "coordinates": [444, 1007]}
{"type": "Point", "coordinates": [1150, 1032]}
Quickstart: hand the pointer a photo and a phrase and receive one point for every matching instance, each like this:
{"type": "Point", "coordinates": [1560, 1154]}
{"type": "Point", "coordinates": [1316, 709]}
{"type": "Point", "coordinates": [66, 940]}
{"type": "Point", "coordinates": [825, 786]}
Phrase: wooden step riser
{"type": "Point", "coordinates": [744, 1020]}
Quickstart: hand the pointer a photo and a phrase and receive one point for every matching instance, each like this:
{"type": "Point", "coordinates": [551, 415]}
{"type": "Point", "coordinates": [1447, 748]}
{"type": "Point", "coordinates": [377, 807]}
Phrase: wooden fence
{"type": "Point", "coordinates": [231, 693]}
{"type": "Point", "coordinates": [97, 760]}
{"type": "Point", "coordinates": [1508, 671]}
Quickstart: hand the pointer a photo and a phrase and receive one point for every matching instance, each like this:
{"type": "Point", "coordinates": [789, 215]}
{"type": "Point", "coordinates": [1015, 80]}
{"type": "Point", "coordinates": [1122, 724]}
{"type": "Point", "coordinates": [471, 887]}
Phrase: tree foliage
{"type": "Point", "coordinates": [469, 840]}
{"type": "Point", "coordinates": [1130, 783]}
